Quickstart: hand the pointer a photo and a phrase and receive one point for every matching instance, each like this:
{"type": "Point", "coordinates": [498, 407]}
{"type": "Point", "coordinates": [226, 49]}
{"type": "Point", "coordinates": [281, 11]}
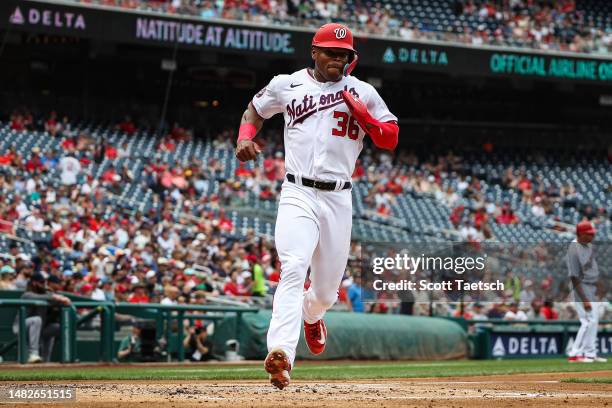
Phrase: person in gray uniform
{"type": "Point", "coordinates": [584, 274]}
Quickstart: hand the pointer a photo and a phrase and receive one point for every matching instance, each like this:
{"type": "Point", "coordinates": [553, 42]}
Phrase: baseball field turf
{"type": "Point", "coordinates": [343, 370]}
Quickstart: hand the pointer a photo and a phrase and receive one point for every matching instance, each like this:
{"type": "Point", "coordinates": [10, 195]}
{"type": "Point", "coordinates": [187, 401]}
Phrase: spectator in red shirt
{"type": "Point", "coordinates": [548, 310]}
{"type": "Point", "coordinates": [166, 145]}
{"type": "Point", "coordinates": [507, 216]}
{"type": "Point", "coordinates": [242, 171]}
{"type": "Point", "coordinates": [127, 126]}
{"type": "Point", "coordinates": [60, 238]}
{"type": "Point", "coordinates": [275, 275]}
{"type": "Point", "coordinates": [359, 170]}
{"type": "Point", "coordinates": [34, 165]}
{"type": "Point", "coordinates": [139, 295]}
{"type": "Point", "coordinates": [456, 214]}
{"type": "Point", "coordinates": [51, 125]}
{"type": "Point", "coordinates": [7, 158]}
{"type": "Point", "coordinates": [524, 184]}
{"type": "Point", "coordinates": [225, 224]}
{"type": "Point", "coordinates": [110, 175]}
{"type": "Point", "coordinates": [231, 287]}
{"type": "Point", "coordinates": [270, 168]}
{"type": "Point", "coordinates": [177, 133]}
{"type": "Point", "coordinates": [17, 123]}
{"type": "Point", "coordinates": [266, 193]}
{"type": "Point", "coordinates": [6, 225]}
{"type": "Point", "coordinates": [111, 152]}
{"type": "Point", "coordinates": [393, 187]}
{"type": "Point", "coordinates": [480, 217]}
{"type": "Point", "coordinates": [69, 143]}
{"type": "Point", "coordinates": [384, 210]}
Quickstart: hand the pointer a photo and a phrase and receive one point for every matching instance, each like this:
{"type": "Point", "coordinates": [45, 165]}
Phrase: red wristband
{"type": "Point", "coordinates": [247, 131]}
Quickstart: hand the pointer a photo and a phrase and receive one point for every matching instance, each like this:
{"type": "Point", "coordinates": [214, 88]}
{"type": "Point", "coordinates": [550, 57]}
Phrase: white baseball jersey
{"type": "Point", "coordinates": [322, 140]}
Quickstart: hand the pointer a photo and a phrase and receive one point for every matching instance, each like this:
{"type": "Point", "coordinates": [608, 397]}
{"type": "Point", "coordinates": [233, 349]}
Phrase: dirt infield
{"type": "Point", "coordinates": [525, 390]}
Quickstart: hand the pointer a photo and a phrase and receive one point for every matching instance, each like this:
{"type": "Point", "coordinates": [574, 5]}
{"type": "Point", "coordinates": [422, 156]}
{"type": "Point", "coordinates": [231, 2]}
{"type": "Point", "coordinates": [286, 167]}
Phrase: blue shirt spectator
{"type": "Point", "coordinates": [354, 295]}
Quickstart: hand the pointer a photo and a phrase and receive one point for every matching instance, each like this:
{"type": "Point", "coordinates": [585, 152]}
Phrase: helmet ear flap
{"type": "Point", "coordinates": [350, 66]}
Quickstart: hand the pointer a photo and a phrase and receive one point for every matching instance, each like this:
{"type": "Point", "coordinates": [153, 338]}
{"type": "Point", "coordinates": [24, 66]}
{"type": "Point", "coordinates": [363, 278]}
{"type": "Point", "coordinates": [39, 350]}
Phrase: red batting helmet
{"type": "Point", "coordinates": [585, 227]}
{"type": "Point", "coordinates": [334, 35]}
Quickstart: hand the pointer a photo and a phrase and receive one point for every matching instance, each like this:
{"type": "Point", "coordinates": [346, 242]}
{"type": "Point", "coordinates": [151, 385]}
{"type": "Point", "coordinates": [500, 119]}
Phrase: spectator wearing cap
{"type": "Point", "coordinates": [86, 290]}
{"type": "Point", "coordinates": [37, 324]}
{"type": "Point", "coordinates": [7, 278]}
{"type": "Point", "coordinates": [121, 293]}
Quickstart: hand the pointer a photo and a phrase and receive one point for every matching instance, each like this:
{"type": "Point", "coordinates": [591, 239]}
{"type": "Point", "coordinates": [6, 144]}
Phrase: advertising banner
{"type": "Point", "coordinates": [127, 26]}
{"type": "Point", "coordinates": [536, 344]}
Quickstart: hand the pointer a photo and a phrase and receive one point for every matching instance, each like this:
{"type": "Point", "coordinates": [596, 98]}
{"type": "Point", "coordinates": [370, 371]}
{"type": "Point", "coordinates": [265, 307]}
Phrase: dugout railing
{"type": "Point", "coordinates": [168, 320]}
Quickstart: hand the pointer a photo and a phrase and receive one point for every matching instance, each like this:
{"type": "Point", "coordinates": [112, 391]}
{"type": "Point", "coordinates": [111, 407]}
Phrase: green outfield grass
{"type": "Point", "coordinates": [323, 371]}
{"type": "Point", "coordinates": [589, 380]}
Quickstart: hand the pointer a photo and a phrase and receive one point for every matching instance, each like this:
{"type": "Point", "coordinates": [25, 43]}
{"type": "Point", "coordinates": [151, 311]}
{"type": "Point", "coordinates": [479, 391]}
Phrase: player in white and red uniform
{"type": "Point", "coordinates": [326, 111]}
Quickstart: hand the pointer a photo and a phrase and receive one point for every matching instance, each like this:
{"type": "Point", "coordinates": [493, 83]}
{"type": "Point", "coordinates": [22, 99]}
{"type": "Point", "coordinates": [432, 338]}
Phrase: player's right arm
{"type": "Point", "coordinates": [250, 124]}
{"type": "Point", "coordinates": [263, 106]}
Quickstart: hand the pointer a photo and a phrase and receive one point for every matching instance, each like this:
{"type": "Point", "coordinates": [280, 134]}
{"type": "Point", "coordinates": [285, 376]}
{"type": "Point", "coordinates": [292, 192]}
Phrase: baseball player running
{"type": "Point", "coordinates": [327, 113]}
{"type": "Point", "coordinates": [584, 274]}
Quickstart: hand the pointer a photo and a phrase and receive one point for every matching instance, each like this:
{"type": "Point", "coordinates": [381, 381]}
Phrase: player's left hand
{"type": "Point", "coordinates": [247, 150]}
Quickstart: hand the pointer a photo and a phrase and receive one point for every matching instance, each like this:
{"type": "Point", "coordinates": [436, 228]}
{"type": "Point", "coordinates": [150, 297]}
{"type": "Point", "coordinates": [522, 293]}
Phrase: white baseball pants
{"type": "Point", "coordinates": [585, 343]}
{"type": "Point", "coordinates": [313, 228]}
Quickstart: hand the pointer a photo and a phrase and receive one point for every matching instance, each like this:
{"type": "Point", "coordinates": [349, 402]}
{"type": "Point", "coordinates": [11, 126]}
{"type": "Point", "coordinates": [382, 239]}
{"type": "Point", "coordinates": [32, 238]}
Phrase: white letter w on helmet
{"type": "Point", "coordinates": [340, 33]}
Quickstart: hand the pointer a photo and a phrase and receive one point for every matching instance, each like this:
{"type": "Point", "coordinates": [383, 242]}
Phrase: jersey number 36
{"type": "Point", "coordinates": [346, 126]}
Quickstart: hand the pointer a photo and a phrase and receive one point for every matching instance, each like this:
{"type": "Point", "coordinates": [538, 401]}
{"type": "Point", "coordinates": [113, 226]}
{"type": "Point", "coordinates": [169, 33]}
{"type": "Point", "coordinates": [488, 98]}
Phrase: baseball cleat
{"type": "Point", "coordinates": [316, 336]}
{"type": "Point", "coordinates": [586, 360]}
{"type": "Point", "coordinates": [575, 359]}
{"type": "Point", "coordinates": [278, 366]}
{"type": "Point", "coordinates": [600, 360]}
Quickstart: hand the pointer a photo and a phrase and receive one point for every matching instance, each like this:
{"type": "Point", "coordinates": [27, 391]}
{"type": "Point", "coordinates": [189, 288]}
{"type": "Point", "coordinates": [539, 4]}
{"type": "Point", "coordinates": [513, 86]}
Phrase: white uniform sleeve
{"type": "Point", "coordinates": [378, 108]}
{"type": "Point", "coordinates": [266, 101]}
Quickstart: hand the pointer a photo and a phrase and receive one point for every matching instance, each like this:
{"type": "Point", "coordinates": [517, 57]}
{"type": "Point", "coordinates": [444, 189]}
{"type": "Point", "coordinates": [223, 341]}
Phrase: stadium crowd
{"type": "Point", "coordinates": [89, 247]}
{"type": "Point", "coordinates": [544, 24]}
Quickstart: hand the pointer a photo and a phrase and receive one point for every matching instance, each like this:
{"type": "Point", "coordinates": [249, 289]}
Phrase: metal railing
{"type": "Point", "coordinates": [165, 315]}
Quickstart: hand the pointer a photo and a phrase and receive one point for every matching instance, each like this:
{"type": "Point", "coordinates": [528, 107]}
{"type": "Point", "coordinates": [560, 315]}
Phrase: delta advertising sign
{"type": "Point", "coordinates": [508, 345]}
